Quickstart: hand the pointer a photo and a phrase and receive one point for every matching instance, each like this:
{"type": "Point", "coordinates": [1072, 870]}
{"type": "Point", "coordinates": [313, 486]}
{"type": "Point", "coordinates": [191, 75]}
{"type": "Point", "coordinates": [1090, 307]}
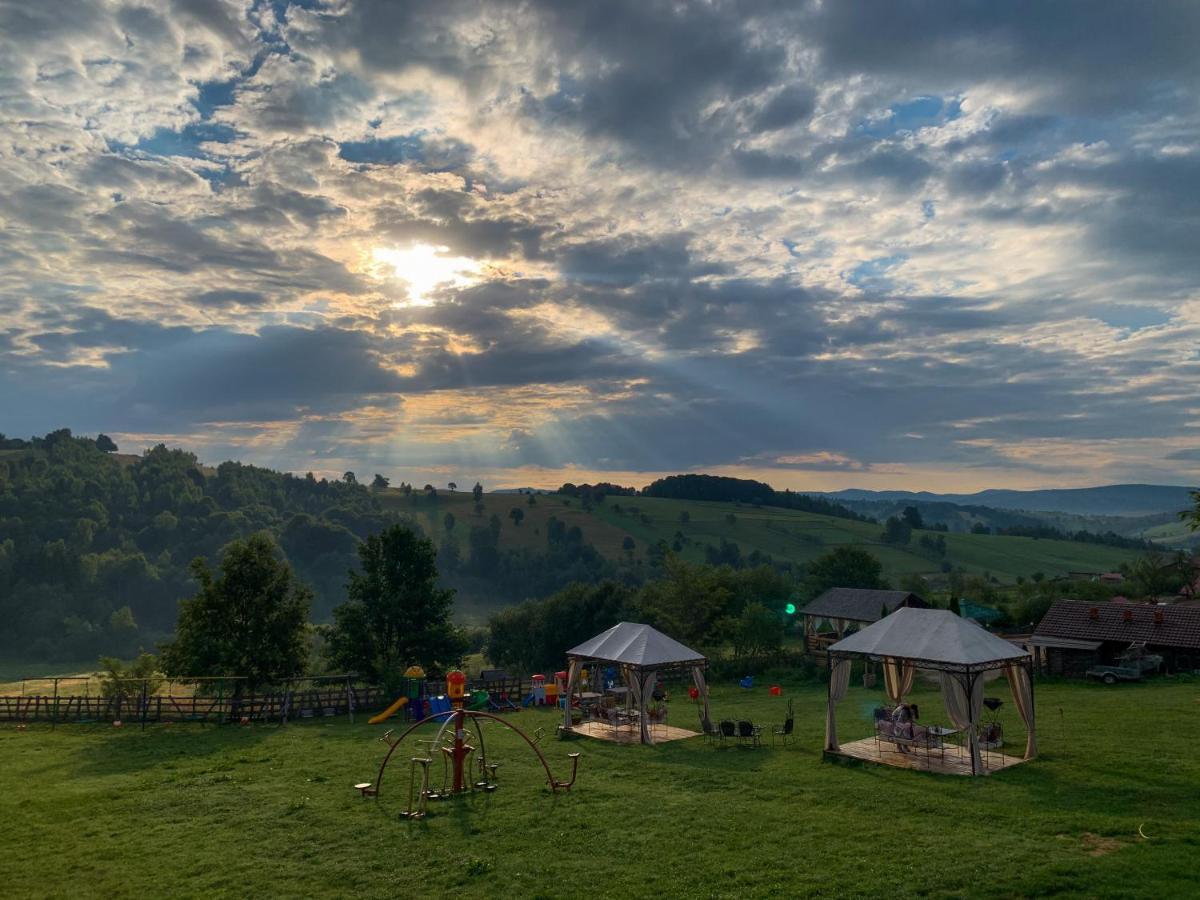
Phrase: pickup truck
{"type": "Point", "coordinates": [1113, 674]}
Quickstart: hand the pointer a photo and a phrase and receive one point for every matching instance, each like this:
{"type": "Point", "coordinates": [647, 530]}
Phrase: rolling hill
{"type": "Point", "coordinates": [1107, 500]}
{"type": "Point", "coordinates": [783, 534]}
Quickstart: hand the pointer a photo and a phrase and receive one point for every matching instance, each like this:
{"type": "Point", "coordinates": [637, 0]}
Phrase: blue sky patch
{"type": "Point", "coordinates": [384, 151]}
{"type": "Point", "coordinates": [872, 274]}
{"type": "Point", "coordinates": [1133, 318]}
{"type": "Point", "coordinates": [911, 115]}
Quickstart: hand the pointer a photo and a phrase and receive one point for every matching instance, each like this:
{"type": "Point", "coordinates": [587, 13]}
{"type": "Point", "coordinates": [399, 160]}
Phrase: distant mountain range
{"type": "Point", "coordinates": [1108, 500]}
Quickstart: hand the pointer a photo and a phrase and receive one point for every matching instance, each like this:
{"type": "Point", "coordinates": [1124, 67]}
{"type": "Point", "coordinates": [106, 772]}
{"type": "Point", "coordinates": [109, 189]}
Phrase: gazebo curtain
{"type": "Point", "coordinates": [839, 685]}
{"type": "Point", "coordinates": [702, 687]}
{"type": "Point", "coordinates": [573, 666]}
{"type": "Point", "coordinates": [649, 679]}
{"type": "Point", "coordinates": [1022, 691]}
{"type": "Point", "coordinates": [898, 678]}
{"type": "Point", "coordinates": [964, 709]}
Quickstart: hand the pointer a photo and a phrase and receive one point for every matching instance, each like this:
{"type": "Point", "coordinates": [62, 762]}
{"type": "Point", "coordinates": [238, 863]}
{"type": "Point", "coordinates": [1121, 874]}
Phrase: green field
{"type": "Point", "coordinates": [783, 534]}
{"type": "Point", "coordinates": [1174, 534]}
{"type": "Point", "coordinates": [191, 811]}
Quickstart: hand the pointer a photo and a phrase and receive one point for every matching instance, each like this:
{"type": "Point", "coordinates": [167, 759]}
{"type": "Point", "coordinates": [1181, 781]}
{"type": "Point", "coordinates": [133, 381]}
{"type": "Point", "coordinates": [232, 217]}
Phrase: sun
{"type": "Point", "coordinates": [426, 267]}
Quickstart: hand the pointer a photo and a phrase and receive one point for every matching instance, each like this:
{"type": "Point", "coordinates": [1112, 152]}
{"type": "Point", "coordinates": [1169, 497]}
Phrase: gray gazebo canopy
{"type": "Point", "coordinates": [960, 650]}
{"type": "Point", "coordinates": [933, 639]}
{"type": "Point", "coordinates": [641, 652]}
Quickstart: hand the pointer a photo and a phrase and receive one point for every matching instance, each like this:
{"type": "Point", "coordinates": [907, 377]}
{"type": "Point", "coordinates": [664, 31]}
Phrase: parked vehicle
{"type": "Point", "coordinates": [1113, 674]}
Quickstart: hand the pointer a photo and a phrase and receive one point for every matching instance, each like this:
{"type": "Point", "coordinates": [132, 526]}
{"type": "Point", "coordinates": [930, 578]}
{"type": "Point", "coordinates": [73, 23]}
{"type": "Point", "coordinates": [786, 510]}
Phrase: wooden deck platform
{"type": "Point", "coordinates": [629, 734]}
{"type": "Point", "coordinates": [953, 762]}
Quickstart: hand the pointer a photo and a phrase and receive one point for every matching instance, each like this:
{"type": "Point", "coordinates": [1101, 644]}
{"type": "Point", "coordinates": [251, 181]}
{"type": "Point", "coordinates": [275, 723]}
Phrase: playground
{"type": "Point", "coordinates": [269, 810]}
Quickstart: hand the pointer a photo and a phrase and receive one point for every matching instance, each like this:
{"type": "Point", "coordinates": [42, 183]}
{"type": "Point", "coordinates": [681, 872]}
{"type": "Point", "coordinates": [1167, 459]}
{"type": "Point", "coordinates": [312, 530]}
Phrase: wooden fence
{"type": "Point", "coordinates": [333, 698]}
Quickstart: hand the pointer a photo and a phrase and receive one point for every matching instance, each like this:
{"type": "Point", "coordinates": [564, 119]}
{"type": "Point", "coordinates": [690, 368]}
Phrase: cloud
{"type": "Point", "coordinates": [756, 236]}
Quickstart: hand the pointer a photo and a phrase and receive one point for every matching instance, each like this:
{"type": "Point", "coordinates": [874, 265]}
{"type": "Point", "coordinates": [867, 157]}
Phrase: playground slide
{"type": "Point", "coordinates": [389, 712]}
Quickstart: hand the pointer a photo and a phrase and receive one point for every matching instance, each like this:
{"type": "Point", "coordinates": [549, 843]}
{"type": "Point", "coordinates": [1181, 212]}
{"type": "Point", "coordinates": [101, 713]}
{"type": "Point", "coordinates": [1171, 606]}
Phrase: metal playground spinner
{"type": "Point", "coordinates": [454, 744]}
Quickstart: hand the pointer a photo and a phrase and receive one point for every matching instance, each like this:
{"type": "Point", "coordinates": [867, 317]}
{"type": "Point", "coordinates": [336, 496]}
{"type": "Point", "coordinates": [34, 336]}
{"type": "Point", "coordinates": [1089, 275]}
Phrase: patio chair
{"type": "Point", "coordinates": [728, 731]}
{"type": "Point", "coordinates": [784, 732]}
{"type": "Point", "coordinates": [748, 731]}
{"type": "Point", "coordinates": [711, 731]}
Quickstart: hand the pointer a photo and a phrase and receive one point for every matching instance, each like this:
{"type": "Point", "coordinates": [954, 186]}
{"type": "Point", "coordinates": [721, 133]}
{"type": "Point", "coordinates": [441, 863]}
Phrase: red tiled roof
{"type": "Point", "coordinates": [1180, 625]}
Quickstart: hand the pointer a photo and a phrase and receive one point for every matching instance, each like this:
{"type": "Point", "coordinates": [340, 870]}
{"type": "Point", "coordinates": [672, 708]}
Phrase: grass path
{"type": "Point", "coordinates": [190, 811]}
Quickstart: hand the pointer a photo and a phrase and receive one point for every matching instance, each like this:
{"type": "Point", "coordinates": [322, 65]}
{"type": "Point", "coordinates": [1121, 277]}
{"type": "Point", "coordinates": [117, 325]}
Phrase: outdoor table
{"type": "Point", "coordinates": [943, 733]}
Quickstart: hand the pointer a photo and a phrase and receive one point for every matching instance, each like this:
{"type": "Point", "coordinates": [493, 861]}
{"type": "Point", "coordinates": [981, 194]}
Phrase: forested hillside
{"type": "Point", "coordinates": [94, 548]}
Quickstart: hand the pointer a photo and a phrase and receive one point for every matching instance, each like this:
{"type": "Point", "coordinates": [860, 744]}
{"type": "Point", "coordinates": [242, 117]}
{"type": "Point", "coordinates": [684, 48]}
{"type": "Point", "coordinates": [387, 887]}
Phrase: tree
{"type": "Point", "coordinates": [349, 478]}
{"type": "Point", "coordinates": [249, 619]}
{"type": "Point", "coordinates": [896, 531]}
{"type": "Point", "coordinates": [845, 566]}
{"type": "Point", "coordinates": [395, 615]}
{"type": "Point", "coordinates": [628, 545]}
{"type": "Point", "coordinates": [453, 487]}
{"type": "Point", "coordinates": [122, 684]}
{"type": "Point", "coordinates": [516, 514]}
{"type": "Point", "coordinates": [430, 491]}
{"type": "Point", "coordinates": [105, 444]}
{"type": "Point", "coordinates": [477, 493]}
{"type": "Point", "coordinates": [758, 630]}
{"type": "Point", "coordinates": [380, 483]}
{"type": "Point", "coordinates": [1152, 576]}
{"type": "Point", "coordinates": [980, 528]}
{"type": "Point", "coordinates": [912, 516]}
{"type": "Point", "coordinates": [448, 522]}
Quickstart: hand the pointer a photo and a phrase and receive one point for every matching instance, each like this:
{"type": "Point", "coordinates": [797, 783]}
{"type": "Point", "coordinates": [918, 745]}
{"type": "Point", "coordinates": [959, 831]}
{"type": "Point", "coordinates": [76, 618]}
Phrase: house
{"type": "Point", "coordinates": [1076, 635]}
{"type": "Point", "coordinates": [840, 610]}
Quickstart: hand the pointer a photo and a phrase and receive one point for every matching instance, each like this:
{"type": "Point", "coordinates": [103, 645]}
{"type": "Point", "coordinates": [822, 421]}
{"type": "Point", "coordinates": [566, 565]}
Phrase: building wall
{"type": "Point", "coordinates": [1069, 663]}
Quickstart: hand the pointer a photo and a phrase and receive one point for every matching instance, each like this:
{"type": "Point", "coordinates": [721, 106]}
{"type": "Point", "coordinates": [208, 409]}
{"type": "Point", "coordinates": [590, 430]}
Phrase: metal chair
{"type": "Point", "coordinates": [785, 732]}
{"type": "Point", "coordinates": [728, 731]}
{"type": "Point", "coordinates": [748, 731]}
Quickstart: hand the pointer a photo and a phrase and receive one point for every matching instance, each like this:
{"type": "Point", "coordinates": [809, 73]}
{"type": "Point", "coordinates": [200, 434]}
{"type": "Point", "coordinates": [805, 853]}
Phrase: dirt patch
{"type": "Point", "coordinates": [1095, 844]}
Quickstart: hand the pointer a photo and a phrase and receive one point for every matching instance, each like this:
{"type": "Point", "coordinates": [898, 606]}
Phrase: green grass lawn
{"type": "Point", "coordinates": [191, 811]}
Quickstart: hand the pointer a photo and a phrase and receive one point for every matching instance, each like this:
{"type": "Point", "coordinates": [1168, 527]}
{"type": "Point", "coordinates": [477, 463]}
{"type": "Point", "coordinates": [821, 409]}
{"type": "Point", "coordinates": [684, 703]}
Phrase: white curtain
{"type": "Point", "coordinates": [572, 677]}
{"type": "Point", "coordinates": [839, 684]}
{"type": "Point", "coordinates": [702, 687]}
{"type": "Point", "coordinates": [1022, 691]}
{"type": "Point", "coordinates": [651, 678]}
{"type": "Point", "coordinates": [964, 710]}
{"type": "Point", "coordinates": [634, 683]}
{"type": "Point", "coordinates": [898, 678]}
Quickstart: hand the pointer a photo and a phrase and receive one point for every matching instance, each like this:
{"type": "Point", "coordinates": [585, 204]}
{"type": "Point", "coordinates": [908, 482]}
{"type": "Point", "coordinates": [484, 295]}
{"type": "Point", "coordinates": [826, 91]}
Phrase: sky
{"type": "Point", "coordinates": [940, 245]}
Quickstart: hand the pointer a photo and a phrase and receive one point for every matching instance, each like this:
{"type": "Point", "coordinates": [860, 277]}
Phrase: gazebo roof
{"type": "Point", "coordinates": [859, 604]}
{"type": "Point", "coordinates": [632, 644]}
{"type": "Point", "coordinates": [933, 636]}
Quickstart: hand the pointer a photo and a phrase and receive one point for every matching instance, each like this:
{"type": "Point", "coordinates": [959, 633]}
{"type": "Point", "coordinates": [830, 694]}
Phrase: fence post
{"type": "Point", "coordinates": [54, 717]}
{"type": "Point", "coordinates": [349, 700]}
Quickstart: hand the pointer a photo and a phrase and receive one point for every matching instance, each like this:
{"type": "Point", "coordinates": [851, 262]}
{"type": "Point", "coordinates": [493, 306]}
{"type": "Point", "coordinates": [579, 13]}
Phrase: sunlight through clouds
{"type": "Point", "coordinates": [426, 269]}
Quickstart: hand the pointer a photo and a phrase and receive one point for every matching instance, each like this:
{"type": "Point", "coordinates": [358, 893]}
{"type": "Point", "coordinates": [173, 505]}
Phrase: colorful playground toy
{"type": "Point", "coordinates": [414, 693]}
{"type": "Point", "coordinates": [747, 682]}
{"type": "Point", "coordinates": [537, 694]}
{"type": "Point", "coordinates": [453, 744]}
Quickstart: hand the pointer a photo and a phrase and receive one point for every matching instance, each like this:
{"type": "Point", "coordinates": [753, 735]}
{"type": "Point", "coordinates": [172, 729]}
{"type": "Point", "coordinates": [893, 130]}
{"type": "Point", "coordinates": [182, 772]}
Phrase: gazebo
{"type": "Point", "coordinates": [938, 640]}
{"type": "Point", "coordinates": [641, 653]}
